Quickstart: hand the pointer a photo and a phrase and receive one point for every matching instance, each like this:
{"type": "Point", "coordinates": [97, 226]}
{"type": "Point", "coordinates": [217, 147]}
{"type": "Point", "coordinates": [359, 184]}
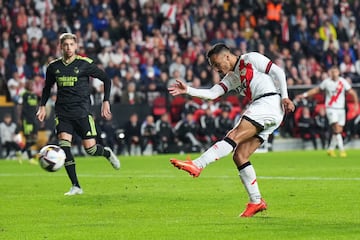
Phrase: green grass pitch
{"type": "Point", "coordinates": [309, 196]}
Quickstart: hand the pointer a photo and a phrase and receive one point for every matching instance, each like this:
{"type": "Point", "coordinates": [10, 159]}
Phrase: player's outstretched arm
{"type": "Point", "coordinates": [182, 88]}
{"type": "Point", "coordinates": [308, 93]}
{"type": "Point", "coordinates": [355, 97]}
{"type": "Point", "coordinates": [178, 88]}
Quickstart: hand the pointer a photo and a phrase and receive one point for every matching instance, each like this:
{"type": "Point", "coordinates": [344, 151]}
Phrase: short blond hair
{"type": "Point", "coordinates": [65, 36]}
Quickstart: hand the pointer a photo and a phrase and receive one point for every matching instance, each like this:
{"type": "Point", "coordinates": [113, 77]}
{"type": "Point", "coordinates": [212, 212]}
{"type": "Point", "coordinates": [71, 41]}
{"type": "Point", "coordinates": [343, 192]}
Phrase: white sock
{"type": "Point", "coordinates": [216, 151]}
{"type": "Point", "coordinates": [248, 178]}
{"type": "Point", "coordinates": [340, 141]}
{"type": "Point", "coordinates": [333, 142]}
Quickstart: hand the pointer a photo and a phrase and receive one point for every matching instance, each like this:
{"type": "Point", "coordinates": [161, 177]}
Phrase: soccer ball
{"type": "Point", "coordinates": [51, 158]}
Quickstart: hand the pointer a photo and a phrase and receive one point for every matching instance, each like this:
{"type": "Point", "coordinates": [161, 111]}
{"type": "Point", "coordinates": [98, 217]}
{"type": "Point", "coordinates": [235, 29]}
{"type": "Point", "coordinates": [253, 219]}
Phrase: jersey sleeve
{"type": "Point", "coordinates": [347, 85]}
{"type": "Point", "coordinates": [49, 82]}
{"type": "Point", "coordinates": [322, 85]}
{"type": "Point", "coordinates": [265, 65]}
{"type": "Point", "coordinates": [96, 72]}
{"type": "Point", "coordinates": [211, 93]}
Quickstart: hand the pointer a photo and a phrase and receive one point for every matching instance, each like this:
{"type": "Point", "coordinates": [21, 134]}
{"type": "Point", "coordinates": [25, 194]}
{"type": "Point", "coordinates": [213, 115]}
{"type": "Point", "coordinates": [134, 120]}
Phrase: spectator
{"type": "Point", "coordinates": [190, 106]}
{"type": "Point", "coordinates": [342, 32]}
{"type": "Point", "coordinates": [21, 67]}
{"type": "Point", "coordinates": [352, 29]}
{"type": "Point", "coordinates": [322, 127]}
{"type": "Point", "coordinates": [330, 57]}
{"type": "Point", "coordinates": [177, 65]}
{"type": "Point", "coordinates": [148, 136]}
{"type": "Point", "coordinates": [273, 15]}
{"type": "Point", "coordinates": [347, 67]}
{"type": "Point", "coordinates": [34, 31]}
{"type": "Point", "coordinates": [186, 131]}
{"type": "Point", "coordinates": [223, 123]}
{"type": "Point", "coordinates": [306, 126]}
{"type": "Point", "coordinates": [116, 90]}
{"type": "Point", "coordinates": [16, 87]}
{"type": "Point", "coordinates": [8, 131]}
{"type": "Point", "coordinates": [168, 10]}
{"type": "Point", "coordinates": [207, 130]}
{"type": "Point", "coordinates": [125, 29]}
{"type": "Point", "coordinates": [164, 134]}
{"type": "Point", "coordinates": [100, 22]}
{"type": "Point", "coordinates": [199, 29]}
{"type": "Point", "coordinates": [137, 35]}
{"type": "Point", "coordinates": [346, 49]}
{"type": "Point", "coordinates": [7, 41]}
{"type": "Point", "coordinates": [133, 135]}
{"type": "Point", "coordinates": [327, 31]}
{"type": "Point", "coordinates": [105, 40]}
{"type": "Point", "coordinates": [131, 96]}
{"type": "Point", "coordinates": [104, 56]}
{"type": "Point", "coordinates": [175, 75]}
{"type": "Point", "coordinates": [28, 103]}
{"type": "Point", "coordinates": [119, 56]}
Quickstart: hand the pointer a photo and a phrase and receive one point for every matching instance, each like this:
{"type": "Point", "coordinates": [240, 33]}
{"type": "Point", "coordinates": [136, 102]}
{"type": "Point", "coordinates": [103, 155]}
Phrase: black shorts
{"type": "Point", "coordinates": [29, 127]}
{"type": "Point", "coordinates": [84, 127]}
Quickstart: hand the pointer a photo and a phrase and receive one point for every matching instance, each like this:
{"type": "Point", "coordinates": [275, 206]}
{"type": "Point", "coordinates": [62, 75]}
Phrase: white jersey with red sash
{"type": "Point", "coordinates": [251, 77]}
{"type": "Point", "coordinates": [262, 83]}
{"type": "Point", "coordinates": [335, 92]}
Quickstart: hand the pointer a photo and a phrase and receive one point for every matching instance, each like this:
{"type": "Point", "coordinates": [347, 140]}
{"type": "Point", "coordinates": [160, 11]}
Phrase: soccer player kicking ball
{"type": "Point", "coordinates": [255, 76]}
{"type": "Point", "coordinates": [71, 74]}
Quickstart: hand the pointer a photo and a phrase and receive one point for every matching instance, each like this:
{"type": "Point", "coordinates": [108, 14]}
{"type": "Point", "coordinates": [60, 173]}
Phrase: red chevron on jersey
{"type": "Point", "coordinates": [335, 97]}
{"type": "Point", "coordinates": [246, 74]}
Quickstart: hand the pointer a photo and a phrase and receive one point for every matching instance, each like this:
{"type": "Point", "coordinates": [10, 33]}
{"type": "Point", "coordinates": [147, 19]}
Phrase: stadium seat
{"type": "Point", "coordinates": [198, 113]}
{"type": "Point", "coordinates": [297, 116]}
{"type": "Point", "coordinates": [319, 98]}
{"type": "Point", "coordinates": [349, 98]}
{"type": "Point", "coordinates": [351, 114]}
{"type": "Point", "coordinates": [159, 106]}
{"type": "Point", "coordinates": [4, 102]}
{"type": "Point", "coordinates": [176, 106]}
{"type": "Point", "coordinates": [317, 108]}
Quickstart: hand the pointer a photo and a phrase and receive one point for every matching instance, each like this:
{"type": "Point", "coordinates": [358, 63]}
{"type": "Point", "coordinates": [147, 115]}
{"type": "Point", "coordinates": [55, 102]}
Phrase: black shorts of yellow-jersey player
{"type": "Point", "coordinates": [84, 127]}
{"type": "Point", "coordinates": [30, 131]}
{"type": "Point", "coordinates": [27, 107]}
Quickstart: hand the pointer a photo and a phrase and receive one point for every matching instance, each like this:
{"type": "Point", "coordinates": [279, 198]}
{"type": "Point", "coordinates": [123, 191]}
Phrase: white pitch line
{"type": "Point", "coordinates": [310, 178]}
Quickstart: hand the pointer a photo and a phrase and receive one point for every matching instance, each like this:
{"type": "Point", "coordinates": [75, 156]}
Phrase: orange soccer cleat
{"type": "Point", "coordinates": [253, 208]}
{"type": "Point", "coordinates": [187, 166]}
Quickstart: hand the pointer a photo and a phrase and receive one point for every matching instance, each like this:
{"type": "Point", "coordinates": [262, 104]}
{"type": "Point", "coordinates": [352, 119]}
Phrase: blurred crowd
{"type": "Point", "coordinates": [144, 45]}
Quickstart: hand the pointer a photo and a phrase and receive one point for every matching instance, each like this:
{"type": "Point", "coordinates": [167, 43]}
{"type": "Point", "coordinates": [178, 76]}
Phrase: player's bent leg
{"type": "Point", "coordinates": [99, 150]}
{"type": "Point", "coordinates": [113, 159]}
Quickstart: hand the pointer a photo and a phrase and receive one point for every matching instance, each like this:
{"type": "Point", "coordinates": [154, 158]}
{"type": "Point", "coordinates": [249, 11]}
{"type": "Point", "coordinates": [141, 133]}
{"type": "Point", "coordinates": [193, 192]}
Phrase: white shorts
{"type": "Point", "coordinates": [267, 113]}
{"type": "Point", "coordinates": [336, 115]}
